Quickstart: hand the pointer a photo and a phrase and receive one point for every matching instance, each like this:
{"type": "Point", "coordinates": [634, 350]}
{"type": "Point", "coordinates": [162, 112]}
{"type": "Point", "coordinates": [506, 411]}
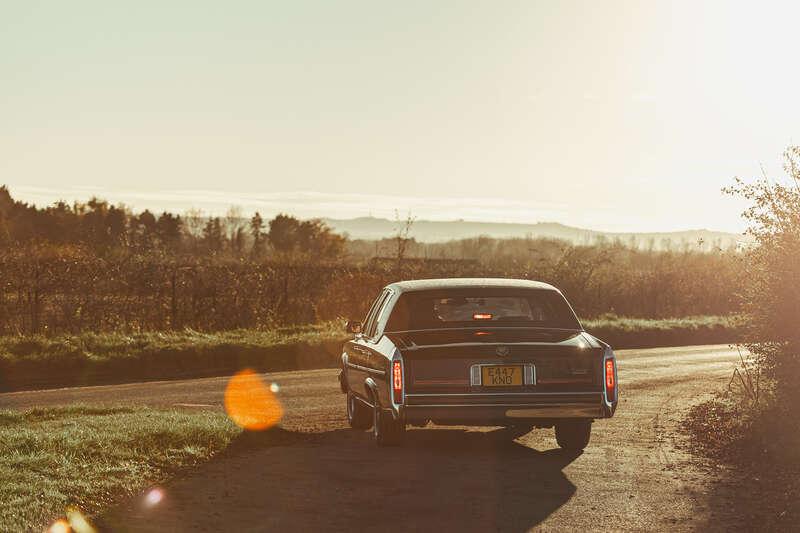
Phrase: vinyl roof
{"type": "Point", "coordinates": [468, 283]}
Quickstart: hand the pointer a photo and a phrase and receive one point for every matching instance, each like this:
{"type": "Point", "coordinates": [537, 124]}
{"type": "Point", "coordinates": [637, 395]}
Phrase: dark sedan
{"type": "Point", "coordinates": [476, 352]}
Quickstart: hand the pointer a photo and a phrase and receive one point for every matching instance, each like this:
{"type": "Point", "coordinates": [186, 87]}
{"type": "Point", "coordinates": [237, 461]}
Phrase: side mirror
{"type": "Point", "coordinates": [354, 327]}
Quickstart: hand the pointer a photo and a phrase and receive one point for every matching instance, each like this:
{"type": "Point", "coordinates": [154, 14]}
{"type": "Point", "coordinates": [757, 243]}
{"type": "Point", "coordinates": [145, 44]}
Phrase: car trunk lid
{"type": "Point", "coordinates": [450, 361]}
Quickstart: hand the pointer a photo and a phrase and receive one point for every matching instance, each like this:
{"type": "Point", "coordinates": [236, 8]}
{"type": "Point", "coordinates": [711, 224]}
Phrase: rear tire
{"type": "Point", "coordinates": [359, 415]}
{"type": "Point", "coordinates": [573, 434]}
{"type": "Point", "coordinates": [385, 429]}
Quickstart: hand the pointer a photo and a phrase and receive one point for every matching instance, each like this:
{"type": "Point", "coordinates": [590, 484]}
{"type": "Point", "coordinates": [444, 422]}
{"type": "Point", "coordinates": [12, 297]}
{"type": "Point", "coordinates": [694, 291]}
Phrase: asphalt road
{"type": "Point", "coordinates": [314, 473]}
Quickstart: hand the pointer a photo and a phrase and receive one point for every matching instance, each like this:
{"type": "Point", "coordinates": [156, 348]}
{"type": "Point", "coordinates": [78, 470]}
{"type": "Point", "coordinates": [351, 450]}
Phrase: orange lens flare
{"type": "Point", "coordinates": [59, 526]}
{"type": "Point", "coordinates": [78, 522]}
{"type": "Point", "coordinates": [250, 403]}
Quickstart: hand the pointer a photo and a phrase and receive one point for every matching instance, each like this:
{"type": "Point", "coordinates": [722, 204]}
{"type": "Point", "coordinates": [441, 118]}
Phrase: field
{"type": "Point", "coordinates": [55, 461]}
{"type": "Point", "coordinates": [38, 361]}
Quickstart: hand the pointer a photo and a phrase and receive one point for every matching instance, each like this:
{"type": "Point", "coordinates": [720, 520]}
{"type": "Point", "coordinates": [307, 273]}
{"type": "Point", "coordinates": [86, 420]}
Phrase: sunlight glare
{"type": "Point", "coordinates": [59, 526]}
{"type": "Point", "coordinates": [250, 403]}
{"type": "Point", "coordinates": [78, 522]}
{"type": "Point", "coordinates": [153, 497]}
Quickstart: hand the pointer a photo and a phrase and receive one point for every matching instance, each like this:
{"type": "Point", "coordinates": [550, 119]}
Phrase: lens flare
{"type": "Point", "coordinates": [59, 526]}
{"type": "Point", "coordinates": [78, 522]}
{"type": "Point", "coordinates": [153, 497]}
{"type": "Point", "coordinates": [250, 403]}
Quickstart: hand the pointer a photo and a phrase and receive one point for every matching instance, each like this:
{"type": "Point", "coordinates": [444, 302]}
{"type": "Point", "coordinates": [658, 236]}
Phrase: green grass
{"type": "Point", "coordinates": [88, 457]}
{"type": "Point", "coordinates": [639, 324]}
{"type": "Point", "coordinates": [92, 358]}
{"type": "Point", "coordinates": [625, 332]}
{"type": "Point", "coordinates": [105, 346]}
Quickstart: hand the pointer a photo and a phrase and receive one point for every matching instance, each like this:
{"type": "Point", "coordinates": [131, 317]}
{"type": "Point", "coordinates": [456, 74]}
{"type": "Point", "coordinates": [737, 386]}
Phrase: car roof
{"type": "Point", "coordinates": [468, 283]}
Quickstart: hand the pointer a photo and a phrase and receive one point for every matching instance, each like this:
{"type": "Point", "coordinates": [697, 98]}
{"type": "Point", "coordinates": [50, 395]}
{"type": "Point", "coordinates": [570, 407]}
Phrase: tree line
{"type": "Point", "coordinates": [104, 229]}
{"type": "Point", "coordinates": [101, 267]}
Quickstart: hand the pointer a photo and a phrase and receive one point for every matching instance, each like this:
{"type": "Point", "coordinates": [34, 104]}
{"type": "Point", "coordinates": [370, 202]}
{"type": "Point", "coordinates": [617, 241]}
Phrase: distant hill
{"type": "Point", "coordinates": [369, 228]}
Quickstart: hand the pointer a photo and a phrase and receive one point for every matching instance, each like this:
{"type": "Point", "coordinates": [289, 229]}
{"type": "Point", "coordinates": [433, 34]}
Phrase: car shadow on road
{"type": "Point", "coordinates": [440, 479]}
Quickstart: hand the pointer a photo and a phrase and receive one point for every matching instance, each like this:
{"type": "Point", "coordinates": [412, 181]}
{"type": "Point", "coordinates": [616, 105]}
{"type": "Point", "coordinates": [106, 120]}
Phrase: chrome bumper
{"type": "Point", "coordinates": [488, 409]}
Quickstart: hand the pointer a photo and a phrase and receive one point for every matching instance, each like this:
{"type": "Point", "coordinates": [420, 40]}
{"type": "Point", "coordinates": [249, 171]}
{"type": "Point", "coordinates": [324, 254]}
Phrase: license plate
{"type": "Point", "coordinates": [501, 376]}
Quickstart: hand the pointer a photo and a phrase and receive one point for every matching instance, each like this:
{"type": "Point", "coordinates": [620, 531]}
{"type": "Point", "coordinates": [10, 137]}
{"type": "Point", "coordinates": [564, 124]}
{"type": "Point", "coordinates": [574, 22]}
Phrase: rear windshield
{"type": "Point", "coordinates": [482, 307]}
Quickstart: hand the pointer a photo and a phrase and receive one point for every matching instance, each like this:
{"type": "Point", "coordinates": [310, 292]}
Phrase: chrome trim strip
{"type": "Point", "coordinates": [515, 328]}
{"type": "Point", "coordinates": [479, 394]}
{"type": "Point", "coordinates": [530, 374]}
{"type": "Point", "coordinates": [508, 405]}
{"type": "Point", "coordinates": [475, 375]}
{"type": "Point", "coordinates": [365, 369]}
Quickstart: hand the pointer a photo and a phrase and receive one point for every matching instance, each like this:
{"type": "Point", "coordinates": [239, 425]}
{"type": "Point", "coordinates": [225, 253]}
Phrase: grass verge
{"type": "Point", "coordinates": [87, 457]}
{"type": "Point", "coordinates": [625, 332]}
{"type": "Point", "coordinates": [94, 358]}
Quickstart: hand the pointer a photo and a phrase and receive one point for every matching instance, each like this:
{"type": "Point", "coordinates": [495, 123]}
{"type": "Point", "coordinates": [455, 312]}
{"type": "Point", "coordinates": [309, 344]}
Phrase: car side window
{"type": "Point", "coordinates": [371, 314]}
{"type": "Point", "coordinates": [379, 313]}
{"type": "Point", "coordinates": [372, 326]}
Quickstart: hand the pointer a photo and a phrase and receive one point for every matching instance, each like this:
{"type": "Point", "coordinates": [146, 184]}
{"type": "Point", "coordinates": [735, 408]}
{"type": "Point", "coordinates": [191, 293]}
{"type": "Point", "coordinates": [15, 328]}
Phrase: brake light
{"type": "Point", "coordinates": [482, 316]}
{"type": "Point", "coordinates": [610, 381]}
{"type": "Point", "coordinates": [397, 382]}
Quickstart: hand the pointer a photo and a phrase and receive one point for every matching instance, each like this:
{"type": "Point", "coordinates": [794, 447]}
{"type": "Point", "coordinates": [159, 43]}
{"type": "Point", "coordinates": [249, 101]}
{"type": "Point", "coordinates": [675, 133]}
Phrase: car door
{"type": "Point", "coordinates": [376, 360]}
{"type": "Point", "coordinates": [359, 350]}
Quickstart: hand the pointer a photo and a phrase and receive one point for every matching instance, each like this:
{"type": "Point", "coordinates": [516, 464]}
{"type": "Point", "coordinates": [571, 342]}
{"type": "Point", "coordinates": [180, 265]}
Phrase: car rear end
{"type": "Point", "coordinates": [497, 356]}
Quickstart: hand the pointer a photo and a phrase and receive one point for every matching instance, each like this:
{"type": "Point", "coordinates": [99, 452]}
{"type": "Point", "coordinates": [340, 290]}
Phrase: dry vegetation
{"type": "Point", "coordinates": [101, 268]}
{"type": "Point", "coordinates": [754, 426]}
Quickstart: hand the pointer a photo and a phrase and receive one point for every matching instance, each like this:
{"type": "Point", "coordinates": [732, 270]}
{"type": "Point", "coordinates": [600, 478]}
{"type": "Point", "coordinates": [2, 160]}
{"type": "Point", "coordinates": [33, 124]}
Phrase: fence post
{"type": "Point", "coordinates": [35, 301]}
{"type": "Point", "coordinates": [174, 303]}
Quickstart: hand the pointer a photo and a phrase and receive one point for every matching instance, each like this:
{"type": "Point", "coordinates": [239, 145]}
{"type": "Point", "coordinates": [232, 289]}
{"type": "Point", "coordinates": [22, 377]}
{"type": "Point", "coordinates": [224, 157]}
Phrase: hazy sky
{"type": "Point", "coordinates": [611, 115]}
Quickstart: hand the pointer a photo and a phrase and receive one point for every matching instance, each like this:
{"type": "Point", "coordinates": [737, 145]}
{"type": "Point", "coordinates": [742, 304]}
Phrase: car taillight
{"type": "Point", "coordinates": [610, 380]}
{"type": "Point", "coordinates": [397, 382]}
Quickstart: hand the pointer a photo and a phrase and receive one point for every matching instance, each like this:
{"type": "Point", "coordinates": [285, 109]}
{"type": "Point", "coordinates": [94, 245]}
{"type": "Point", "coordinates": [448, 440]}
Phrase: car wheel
{"type": "Point", "coordinates": [573, 434]}
{"type": "Point", "coordinates": [385, 429]}
{"type": "Point", "coordinates": [358, 413]}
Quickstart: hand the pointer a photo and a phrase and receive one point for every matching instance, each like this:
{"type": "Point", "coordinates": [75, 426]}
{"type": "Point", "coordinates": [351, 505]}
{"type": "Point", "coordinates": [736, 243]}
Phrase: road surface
{"type": "Point", "coordinates": [313, 473]}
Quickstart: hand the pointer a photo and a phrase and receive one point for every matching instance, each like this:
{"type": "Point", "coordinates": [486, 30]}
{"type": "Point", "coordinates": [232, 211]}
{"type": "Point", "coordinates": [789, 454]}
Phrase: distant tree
{"type": "Point", "coordinates": [116, 226]}
{"type": "Point", "coordinates": [309, 237]}
{"type": "Point", "coordinates": [402, 236]}
{"type": "Point", "coordinates": [143, 230]}
{"type": "Point", "coordinates": [282, 234]}
{"type": "Point", "coordinates": [5, 234]}
{"type": "Point", "coordinates": [257, 233]}
{"type": "Point", "coordinates": [315, 238]}
{"type": "Point", "coordinates": [169, 230]}
{"type": "Point", "coordinates": [194, 222]}
{"type": "Point", "coordinates": [213, 236]}
{"type": "Point", "coordinates": [235, 225]}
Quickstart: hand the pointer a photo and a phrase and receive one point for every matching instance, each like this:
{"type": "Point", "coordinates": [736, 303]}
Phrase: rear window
{"type": "Point", "coordinates": [482, 307]}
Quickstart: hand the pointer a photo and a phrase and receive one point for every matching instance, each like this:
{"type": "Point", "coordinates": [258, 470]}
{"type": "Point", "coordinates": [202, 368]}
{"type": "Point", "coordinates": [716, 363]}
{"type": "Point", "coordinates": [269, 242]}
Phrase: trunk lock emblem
{"type": "Point", "coordinates": [503, 351]}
